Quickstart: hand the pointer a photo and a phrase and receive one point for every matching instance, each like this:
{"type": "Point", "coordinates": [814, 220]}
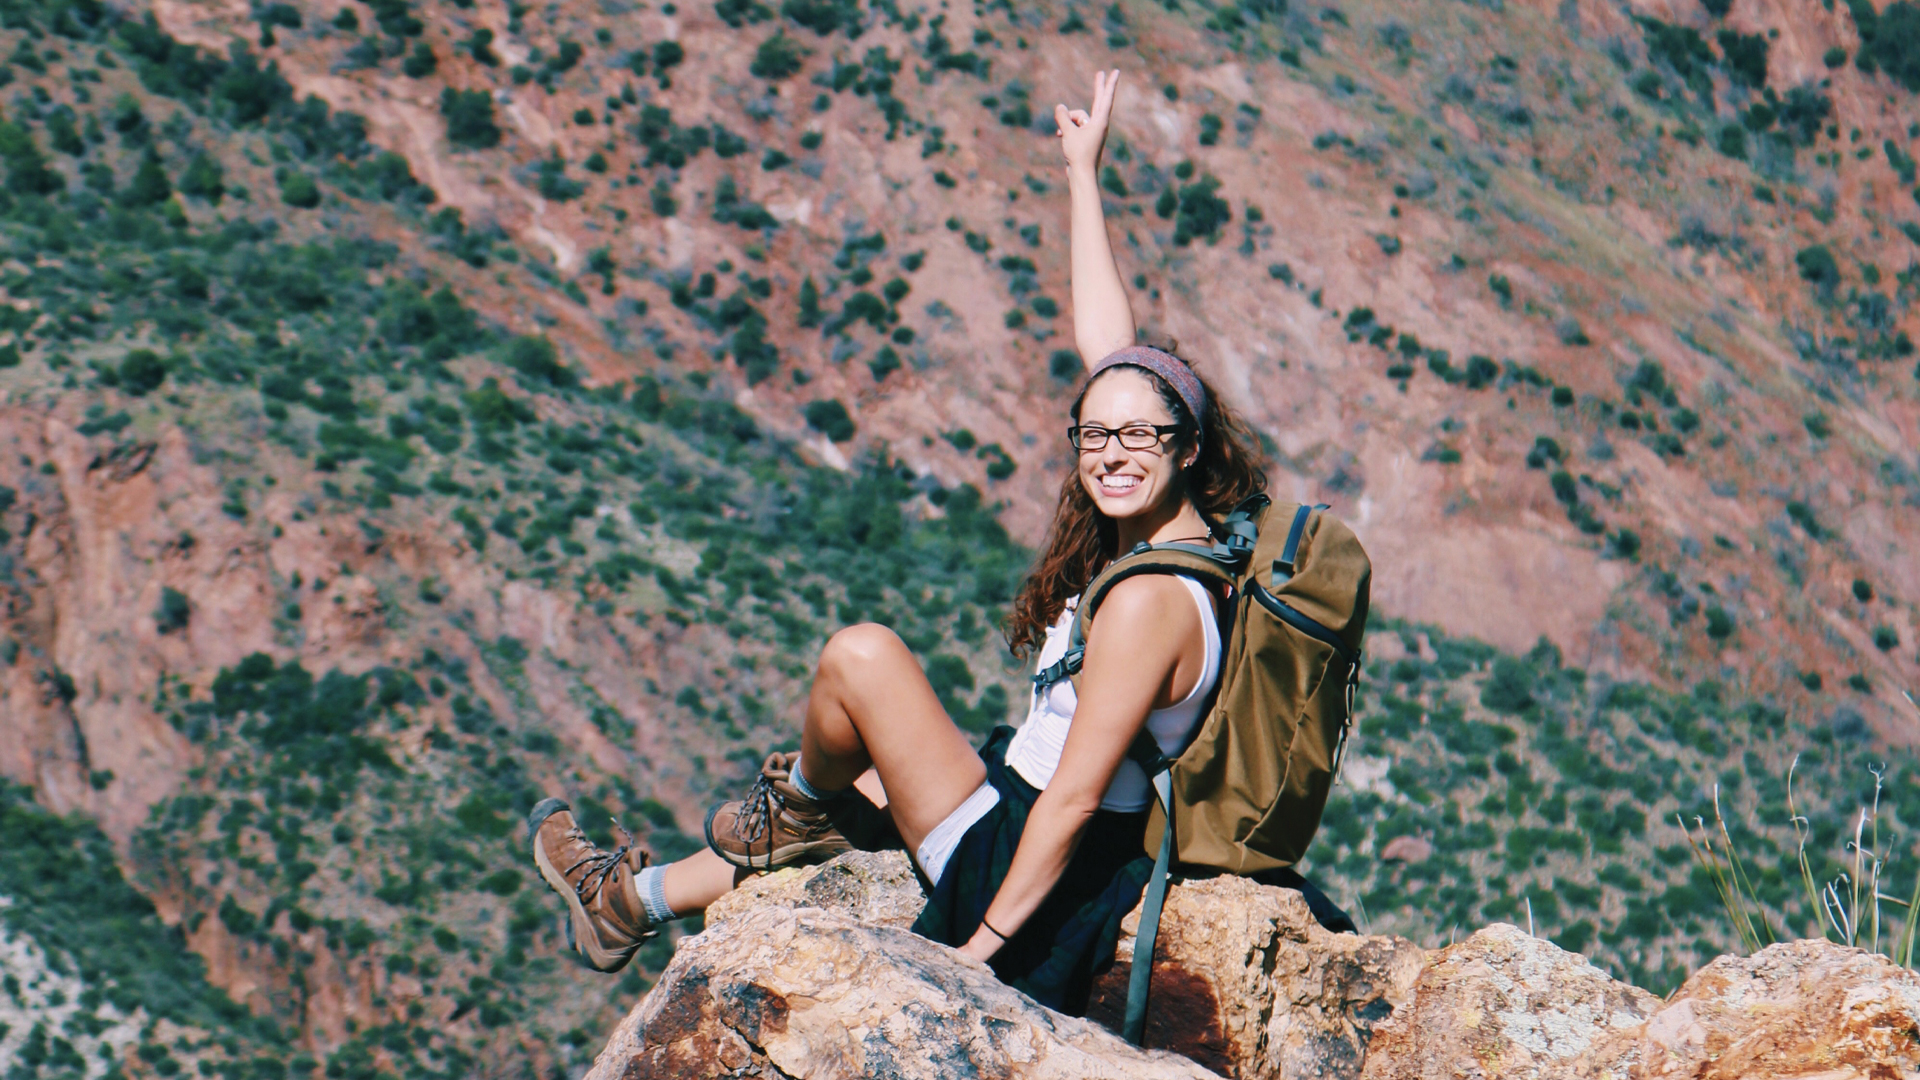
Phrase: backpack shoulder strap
{"type": "Point", "coordinates": [1184, 560]}
{"type": "Point", "coordinates": [1220, 564]}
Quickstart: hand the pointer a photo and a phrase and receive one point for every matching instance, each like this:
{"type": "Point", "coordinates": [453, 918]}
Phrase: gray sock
{"type": "Point", "coordinates": [652, 885]}
{"type": "Point", "coordinates": [799, 779]}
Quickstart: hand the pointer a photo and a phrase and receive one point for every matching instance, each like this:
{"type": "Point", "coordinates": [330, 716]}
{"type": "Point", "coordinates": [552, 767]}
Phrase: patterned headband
{"type": "Point", "coordinates": [1169, 367]}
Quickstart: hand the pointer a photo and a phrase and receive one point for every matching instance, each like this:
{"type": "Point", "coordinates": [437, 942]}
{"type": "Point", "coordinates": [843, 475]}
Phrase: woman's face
{"type": "Point", "coordinates": [1126, 483]}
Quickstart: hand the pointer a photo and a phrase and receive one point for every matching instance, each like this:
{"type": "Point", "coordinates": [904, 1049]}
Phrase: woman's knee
{"type": "Point", "coordinates": [862, 646]}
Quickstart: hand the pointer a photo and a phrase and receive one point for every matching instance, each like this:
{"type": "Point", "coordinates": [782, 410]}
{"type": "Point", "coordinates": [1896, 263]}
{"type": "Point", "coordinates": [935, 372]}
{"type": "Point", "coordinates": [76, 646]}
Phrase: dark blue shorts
{"type": "Point", "coordinates": [1070, 940]}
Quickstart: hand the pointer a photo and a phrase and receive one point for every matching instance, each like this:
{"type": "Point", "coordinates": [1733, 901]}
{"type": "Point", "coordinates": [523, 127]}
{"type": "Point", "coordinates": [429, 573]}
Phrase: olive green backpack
{"type": "Point", "coordinates": [1247, 794]}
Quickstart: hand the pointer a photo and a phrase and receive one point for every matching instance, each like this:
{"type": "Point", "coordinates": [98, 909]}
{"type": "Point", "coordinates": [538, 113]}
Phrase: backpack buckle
{"type": "Point", "coordinates": [1062, 668]}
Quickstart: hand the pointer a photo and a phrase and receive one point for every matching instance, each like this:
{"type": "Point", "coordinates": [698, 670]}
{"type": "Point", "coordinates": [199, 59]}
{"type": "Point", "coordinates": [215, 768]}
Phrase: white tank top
{"type": "Point", "coordinates": [1035, 749]}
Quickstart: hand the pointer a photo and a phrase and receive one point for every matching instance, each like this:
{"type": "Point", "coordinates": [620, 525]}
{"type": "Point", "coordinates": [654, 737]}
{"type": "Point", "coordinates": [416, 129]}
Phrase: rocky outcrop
{"type": "Point", "coordinates": [1505, 1003]}
{"type": "Point", "coordinates": [813, 994]}
{"type": "Point", "coordinates": [877, 888]}
{"type": "Point", "coordinates": [1246, 982]}
{"type": "Point", "coordinates": [812, 973]}
{"type": "Point", "coordinates": [1797, 1009]}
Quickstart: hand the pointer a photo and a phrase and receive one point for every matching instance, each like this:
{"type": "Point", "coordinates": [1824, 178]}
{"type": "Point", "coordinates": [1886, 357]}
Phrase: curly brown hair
{"type": "Point", "coordinates": [1081, 540]}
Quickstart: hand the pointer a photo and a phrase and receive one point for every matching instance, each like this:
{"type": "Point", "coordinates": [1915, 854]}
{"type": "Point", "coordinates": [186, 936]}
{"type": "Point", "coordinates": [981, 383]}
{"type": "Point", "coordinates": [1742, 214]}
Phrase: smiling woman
{"type": "Point", "coordinates": [1032, 848]}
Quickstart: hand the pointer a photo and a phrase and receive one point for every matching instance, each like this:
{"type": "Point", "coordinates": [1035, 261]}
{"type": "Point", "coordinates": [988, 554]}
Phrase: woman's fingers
{"type": "Point", "coordinates": [1105, 85]}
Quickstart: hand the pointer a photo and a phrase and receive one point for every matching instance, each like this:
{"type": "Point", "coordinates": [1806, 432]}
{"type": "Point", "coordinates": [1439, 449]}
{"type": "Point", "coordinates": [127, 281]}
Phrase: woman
{"type": "Point", "coordinates": [1032, 848]}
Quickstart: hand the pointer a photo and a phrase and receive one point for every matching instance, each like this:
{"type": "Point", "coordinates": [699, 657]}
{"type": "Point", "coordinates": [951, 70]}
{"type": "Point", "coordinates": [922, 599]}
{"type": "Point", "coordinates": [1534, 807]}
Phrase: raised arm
{"type": "Point", "coordinates": [1102, 321]}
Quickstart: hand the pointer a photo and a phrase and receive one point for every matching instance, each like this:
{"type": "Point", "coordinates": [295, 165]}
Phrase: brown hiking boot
{"type": "Point", "coordinates": [606, 919]}
{"type": "Point", "coordinates": [774, 825]}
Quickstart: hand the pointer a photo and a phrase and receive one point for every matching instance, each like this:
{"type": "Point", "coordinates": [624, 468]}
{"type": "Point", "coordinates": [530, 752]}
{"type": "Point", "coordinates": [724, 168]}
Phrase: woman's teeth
{"type": "Point", "coordinates": [1119, 485]}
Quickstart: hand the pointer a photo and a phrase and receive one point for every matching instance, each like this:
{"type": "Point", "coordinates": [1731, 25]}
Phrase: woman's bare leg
{"type": "Point", "coordinates": [699, 880]}
{"type": "Point", "coordinates": [870, 707]}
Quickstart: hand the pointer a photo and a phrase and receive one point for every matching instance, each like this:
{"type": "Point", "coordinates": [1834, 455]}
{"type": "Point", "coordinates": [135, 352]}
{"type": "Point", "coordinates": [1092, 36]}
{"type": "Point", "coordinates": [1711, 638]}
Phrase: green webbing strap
{"type": "Point", "coordinates": [1285, 563]}
{"type": "Point", "coordinates": [1134, 1029]}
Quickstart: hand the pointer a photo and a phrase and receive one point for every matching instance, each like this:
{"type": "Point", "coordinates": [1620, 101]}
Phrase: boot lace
{"type": "Point", "coordinates": [763, 803]}
{"type": "Point", "coordinates": [600, 864]}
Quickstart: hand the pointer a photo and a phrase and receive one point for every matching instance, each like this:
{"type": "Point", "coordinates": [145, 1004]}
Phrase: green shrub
{"type": "Point", "coordinates": [533, 356]}
{"type": "Point", "coordinates": [1818, 267]}
{"type": "Point", "coordinates": [421, 62]}
{"type": "Point", "coordinates": [738, 13]}
{"type": "Point", "coordinates": [1732, 141]}
{"type": "Point", "coordinates": [141, 372]}
{"type": "Point", "coordinates": [778, 57]}
{"type": "Point", "coordinates": [1719, 623]}
{"type": "Point", "coordinates": [830, 418]}
{"type": "Point", "coordinates": [1202, 213]}
{"type": "Point", "coordinates": [1746, 58]}
{"type": "Point", "coordinates": [173, 612]}
{"type": "Point", "coordinates": [1885, 638]}
{"type": "Point", "coordinates": [469, 116]}
{"type": "Point", "coordinates": [1862, 590]}
{"type": "Point", "coordinates": [204, 178]}
{"type": "Point", "coordinates": [299, 190]}
{"type": "Point", "coordinates": [69, 896]}
{"type": "Point", "coordinates": [1889, 41]}
{"type": "Point", "coordinates": [1802, 515]}
{"type": "Point", "coordinates": [1509, 689]}
{"type": "Point", "coordinates": [149, 186]}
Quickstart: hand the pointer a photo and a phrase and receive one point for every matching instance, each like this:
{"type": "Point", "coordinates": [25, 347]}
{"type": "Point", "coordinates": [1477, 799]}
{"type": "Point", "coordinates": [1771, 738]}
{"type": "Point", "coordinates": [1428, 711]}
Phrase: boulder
{"type": "Point", "coordinates": [1246, 982]}
{"type": "Point", "coordinates": [1503, 1004]}
{"type": "Point", "coordinates": [813, 973]}
{"type": "Point", "coordinates": [1506, 1004]}
{"type": "Point", "coordinates": [878, 888]}
{"type": "Point", "coordinates": [1797, 1009]}
{"type": "Point", "coordinates": [810, 994]}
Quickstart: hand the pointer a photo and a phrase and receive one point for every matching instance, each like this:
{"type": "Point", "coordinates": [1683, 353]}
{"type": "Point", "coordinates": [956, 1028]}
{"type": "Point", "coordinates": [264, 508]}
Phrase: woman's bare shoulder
{"type": "Point", "coordinates": [1149, 605]}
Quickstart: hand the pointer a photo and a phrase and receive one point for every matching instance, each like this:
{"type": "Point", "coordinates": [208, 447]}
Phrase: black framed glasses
{"type": "Point", "coordinates": [1132, 437]}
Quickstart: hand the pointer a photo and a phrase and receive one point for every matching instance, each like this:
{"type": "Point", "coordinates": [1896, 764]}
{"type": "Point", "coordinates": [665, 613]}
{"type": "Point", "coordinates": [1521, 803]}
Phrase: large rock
{"type": "Point", "coordinates": [1502, 1004]}
{"type": "Point", "coordinates": [1798, 1009]}
{"type": "Point", "coordinates": [1506, 1004]}
{"type": "Point", "coordinates": [877, 888]}
{"type": "Point", "coordinates": [811, 973]}
{"type": "Point", "coordinates": [1246, 982]}
{"type": "Point", "coordinates": [811, 994]}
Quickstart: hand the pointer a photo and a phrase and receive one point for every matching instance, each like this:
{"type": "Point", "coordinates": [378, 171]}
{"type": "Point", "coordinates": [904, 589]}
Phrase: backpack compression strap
{"type": "Point", "coordinates": [1146, 753]}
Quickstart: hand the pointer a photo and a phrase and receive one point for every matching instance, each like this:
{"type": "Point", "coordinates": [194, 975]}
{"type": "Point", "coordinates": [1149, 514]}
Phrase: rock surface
{"type": "Point", "coordinates": [877, 888]}
{"type": "Point", "coordinates": [1797, 1009]}
{"type": "Point", "coordinates": [818, 995]}
{"type": "Point", "coordinates": [811, 973]}
{"type": "Point", "coordinates": [1246, 982]}
{"type": "Point", "coordinates": [1504, 1003]}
